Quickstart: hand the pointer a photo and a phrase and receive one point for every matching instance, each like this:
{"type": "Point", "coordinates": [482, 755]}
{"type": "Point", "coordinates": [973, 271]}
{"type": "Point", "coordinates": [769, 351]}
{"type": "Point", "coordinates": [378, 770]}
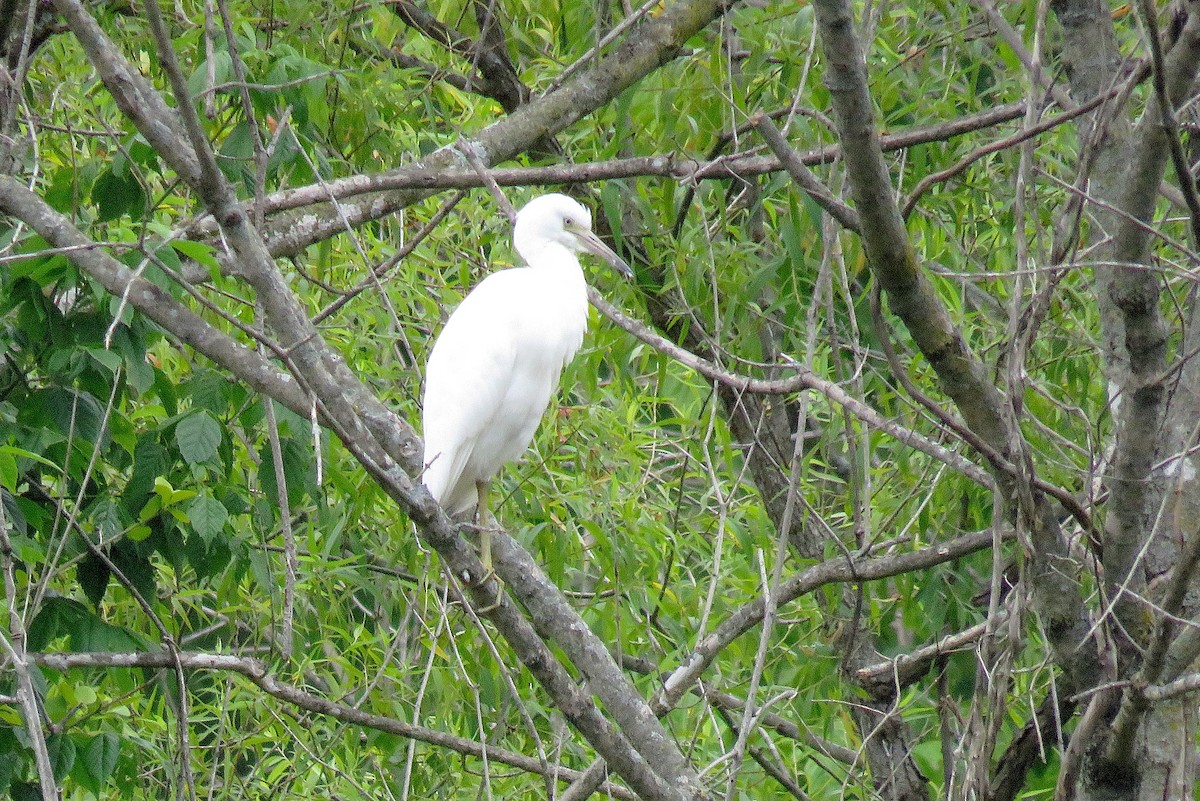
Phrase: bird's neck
{"type": "Point", "coordinates": [554, 258]}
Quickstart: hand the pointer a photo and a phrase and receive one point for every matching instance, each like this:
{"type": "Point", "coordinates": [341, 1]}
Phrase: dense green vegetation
{"type": "Point", "coordinates": [293, 625]}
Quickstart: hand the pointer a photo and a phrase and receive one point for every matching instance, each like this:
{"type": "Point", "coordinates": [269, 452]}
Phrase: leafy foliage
{"type": "Point", "coordinates": [141, 490]}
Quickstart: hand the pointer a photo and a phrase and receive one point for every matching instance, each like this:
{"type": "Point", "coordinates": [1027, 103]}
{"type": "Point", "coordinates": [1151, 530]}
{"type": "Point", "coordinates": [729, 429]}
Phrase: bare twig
{"type": "Point", "coordinates": [1147, 13]}
{"type": "Point", "coordinates": [380, 272]}
{"type": "Point", "coordinates": [258, 674]}
{"type": "Point", "coordinates": [14, 648]}
{"type": "Point", "coordinates": [285, 522]}
{"type": "Point", "coordinates": [470, 152]}
{"type": "Point", "coordinates": [802, 379]}
{"type": "Point", "coordinates": [803, 176]}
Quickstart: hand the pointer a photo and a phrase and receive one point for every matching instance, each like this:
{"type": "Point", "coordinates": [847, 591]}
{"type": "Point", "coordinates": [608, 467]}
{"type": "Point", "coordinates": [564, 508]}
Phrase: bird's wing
{"type": "Point", "coordinates": [466, 377]}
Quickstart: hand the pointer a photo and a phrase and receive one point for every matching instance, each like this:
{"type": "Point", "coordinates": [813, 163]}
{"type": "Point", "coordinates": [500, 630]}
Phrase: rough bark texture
{"type": "Point", "coordinates": [1093, 64]}
{"type": "Point", "coordinates": [1145, 528]}
{"type": "Point", "coordinates": [1057, 595]}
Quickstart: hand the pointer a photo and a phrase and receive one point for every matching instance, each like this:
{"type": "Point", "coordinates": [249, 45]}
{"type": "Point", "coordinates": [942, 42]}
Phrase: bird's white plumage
{"type": "Point", "coordinates": [496, 364]}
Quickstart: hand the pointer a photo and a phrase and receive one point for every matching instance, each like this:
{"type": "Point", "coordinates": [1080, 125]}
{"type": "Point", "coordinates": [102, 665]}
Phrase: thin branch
{"type": "Point", "coordinates": [14, 647]}
{"type": "Point", "coordinates": [1013, 39]}
{"type": "Point", "coordinates": [257, 673]}
{"type": "Point", "coordinates": [1187, 183]}
{"type": "Point", "coordinates": [429, 174]}
{"type": "Point", "coordinates": [289, 536]}
{"type": "Point", "coordinates": [803, 176]}
{"type": "Point", "coordinates": [604, 42]}
{"type": "Point", "coordinates": [802, 379]}
{"type": "Point", "coordinates": [380, 273]}
{"type": "Point", "coordinates": [1187, 683]}
{"type": "Point", "coordinates": [1017, 138]}
{"type": "Point", "coordinates": [470, 152]}
{"type": "Point", "coordinates": [903, 670]}
{"type": "Point", "coordinates": [433, 71]}
{"type": "Point", "coordinates": [780, 724]}
{"type": "Point", "coordinates": [832, 571]}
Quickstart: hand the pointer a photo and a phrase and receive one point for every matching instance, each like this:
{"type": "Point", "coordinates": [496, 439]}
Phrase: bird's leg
{"type": "Point", "coordinates": [485, 523]}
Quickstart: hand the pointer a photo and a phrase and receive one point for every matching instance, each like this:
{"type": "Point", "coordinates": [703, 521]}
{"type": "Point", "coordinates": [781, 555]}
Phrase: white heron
{"type": "Point", "coordinates": [496, 364]}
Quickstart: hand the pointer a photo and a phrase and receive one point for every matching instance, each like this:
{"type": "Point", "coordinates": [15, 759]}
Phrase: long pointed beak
{"type": "Point", "coordinates": [592, 244]}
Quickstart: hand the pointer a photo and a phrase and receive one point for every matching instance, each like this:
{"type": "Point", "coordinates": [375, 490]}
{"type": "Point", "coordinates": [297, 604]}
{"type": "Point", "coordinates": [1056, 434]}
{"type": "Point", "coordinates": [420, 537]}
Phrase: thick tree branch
{"type": "Point", "coordinates": [901, 671]}
{"type": "Point", "coordinates": [649, 46]}
{"type": "Point", "coordinates": [348, 407]}
{"type": "Point", "coordinates": [1093, 62]}
{"type": "Point", "coordinates": [1135, 292]}
{"type": "Point", "coordinates": [685, 170]}
{"type": "Point", "coordinates": [1137, 700]}
{"type": "Point", "coordinates": [962, 376]}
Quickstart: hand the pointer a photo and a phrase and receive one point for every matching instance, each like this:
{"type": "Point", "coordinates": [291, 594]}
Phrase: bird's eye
{"type": "Point", "coordinates": [568, 222]}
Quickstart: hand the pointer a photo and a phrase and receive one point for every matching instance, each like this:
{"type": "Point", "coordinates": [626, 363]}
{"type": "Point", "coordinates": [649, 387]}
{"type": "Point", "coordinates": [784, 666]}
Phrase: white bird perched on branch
{"type": "Point", "coordinates": [497, 362]}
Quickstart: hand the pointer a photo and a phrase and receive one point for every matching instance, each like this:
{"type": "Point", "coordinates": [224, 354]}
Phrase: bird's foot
{"type": "Point", "coordinates": [485, 528]}
{"type": "Point", "coordinates": [499, 597]}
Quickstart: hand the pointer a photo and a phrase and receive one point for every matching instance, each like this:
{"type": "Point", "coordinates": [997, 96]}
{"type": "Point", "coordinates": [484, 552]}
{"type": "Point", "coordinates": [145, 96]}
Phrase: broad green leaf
{"type": "Point", "coordinates": [8, 470]}
{"type": "Point", "coordinates": [196, 251]}
{"type": "Point", "coordinates": [93, 575]}
{"type": "Point", "coordinates": [62, 754]}
{"type": "Point", "coordinates": [198, 436]}
{"type": "Point", "coordinates": [207, 516]}
{"type": "Point", "coordinates": [100, 757]}
{"type": "Point", "coordinates": [116, 195]}
{"type": "Point", "coordinates": [150, 460]}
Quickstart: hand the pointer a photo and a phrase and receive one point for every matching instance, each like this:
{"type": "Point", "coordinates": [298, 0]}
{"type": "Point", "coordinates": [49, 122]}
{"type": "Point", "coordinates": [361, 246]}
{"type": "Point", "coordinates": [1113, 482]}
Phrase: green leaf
{"type": "Point", "coordinates": [26, 791]}
{"type": "Point", "coordinates": [115, 195]}
{"type": "Point", "coordinates": [62, 754]}
{"type": "Point", "coordinates": [8, 471]}
{"type": "Point", "coordinates": [150, 460]}
{"type": "Point", "coordinates": [53, 620]}
{"type": "Point", "coordinates": [198, 436]}
{"type": "Point", "coordinates": [210, 391]}
{"type": "Point", "coordinates": [92, 575]}
{"type": "Point", "coordinates": [298, 469]}
{"type": "Point", "coordinates": [100, 757]}
{"type": "Point", "coordinates": [106, 517]}
{"type": "Point", "coordinates": [134, 564]}
{"type": "Point", "coordinates": [107, 359]}
{"type": "Point", "coordinates": [196, 251]}
{"type": "Point", "coordinates": [207, 516]}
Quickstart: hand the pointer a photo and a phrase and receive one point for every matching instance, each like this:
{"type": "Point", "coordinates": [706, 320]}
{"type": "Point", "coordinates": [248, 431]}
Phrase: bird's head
{"type": "Point", "coordinates": [564, 221]}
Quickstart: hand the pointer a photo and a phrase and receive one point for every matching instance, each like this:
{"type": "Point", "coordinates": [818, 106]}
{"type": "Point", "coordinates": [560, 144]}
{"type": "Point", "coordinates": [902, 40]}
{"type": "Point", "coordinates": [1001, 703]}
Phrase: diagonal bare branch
{"type": "Point", "coordinates": [960, 373]}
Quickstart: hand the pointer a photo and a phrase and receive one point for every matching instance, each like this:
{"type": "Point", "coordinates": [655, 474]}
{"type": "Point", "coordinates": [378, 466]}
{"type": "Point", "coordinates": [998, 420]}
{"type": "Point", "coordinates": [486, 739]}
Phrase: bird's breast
{"type": "Point", "coordinates": [551, 326]}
